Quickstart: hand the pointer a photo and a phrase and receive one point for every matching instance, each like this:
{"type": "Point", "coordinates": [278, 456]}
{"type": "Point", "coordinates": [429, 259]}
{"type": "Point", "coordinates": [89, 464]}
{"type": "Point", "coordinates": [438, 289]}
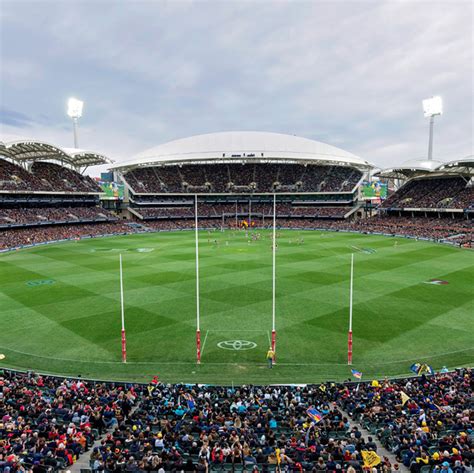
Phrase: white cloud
{"type": "Point", "coordinates": [352, 73]}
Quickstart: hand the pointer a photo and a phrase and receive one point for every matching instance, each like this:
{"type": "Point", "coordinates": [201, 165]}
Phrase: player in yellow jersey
{"type": "Point", "coordinates": [270, 357]}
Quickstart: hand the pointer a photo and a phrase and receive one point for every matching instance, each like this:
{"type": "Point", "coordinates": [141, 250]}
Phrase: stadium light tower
{"type": "Point", "coordinates": [74, 110]}
{"type": "Point", "coordinates": [431, 108]}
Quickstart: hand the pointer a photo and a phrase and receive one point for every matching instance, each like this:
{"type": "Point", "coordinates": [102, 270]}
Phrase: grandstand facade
{"type": "Point", "coordinates": [45, 195]}
{"type": "Point", "coordinates": [235, 175]}
{"type": "Point", "coordinates": [432, 188]}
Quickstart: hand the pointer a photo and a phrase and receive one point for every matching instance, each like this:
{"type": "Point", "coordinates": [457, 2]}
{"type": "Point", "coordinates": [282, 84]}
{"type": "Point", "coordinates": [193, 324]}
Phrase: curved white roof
{"type": "Point", "coordinates": [242, 145]}
{"type": "Point", "coordinates": [463, 165]}
{"type": "Point", "coordinates": [467, 161]}
{"type": "Point", "coordinates": [27, 149]}
{"type": "Point", "coordinates": [421, 164]}
{"type": "Point", "coordinates": [411, 168]}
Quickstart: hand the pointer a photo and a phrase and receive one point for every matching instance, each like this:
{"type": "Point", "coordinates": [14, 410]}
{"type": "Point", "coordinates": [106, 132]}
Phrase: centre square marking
{"type": "Point", "coordinates": [237, 345]}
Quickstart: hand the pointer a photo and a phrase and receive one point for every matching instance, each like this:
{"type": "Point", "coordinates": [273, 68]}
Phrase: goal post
{"type": "Point", "coordinates": [274, 278]}
{"type": "Point", "coordinates": [349, 335]}
{"type": "Point", "coordinates": [198, 322]}
{"type": "Point", "coordinates": [272, 339]}
{"type": "Point", "coordinates": [122, 313]}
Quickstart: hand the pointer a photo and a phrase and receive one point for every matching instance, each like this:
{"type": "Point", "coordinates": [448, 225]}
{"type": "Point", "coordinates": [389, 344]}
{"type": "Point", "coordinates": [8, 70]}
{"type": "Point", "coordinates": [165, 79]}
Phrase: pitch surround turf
{"type": "Point", "coordinates": [60, 307]}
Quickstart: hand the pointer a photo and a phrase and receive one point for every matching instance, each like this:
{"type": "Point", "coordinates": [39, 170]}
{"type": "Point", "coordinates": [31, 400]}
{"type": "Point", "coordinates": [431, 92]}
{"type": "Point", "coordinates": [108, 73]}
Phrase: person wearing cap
{"type": "Point", "coordinates": [445, 468]}
{"type": "Point", "coordinates": [159, 442]}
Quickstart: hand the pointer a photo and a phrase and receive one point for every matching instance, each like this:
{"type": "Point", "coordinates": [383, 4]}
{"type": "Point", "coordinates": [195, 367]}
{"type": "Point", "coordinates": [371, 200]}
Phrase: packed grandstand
{"type": "Point", "coordinates": [49, 423]}
{"type": "Point", "coordinates": [45, 194]}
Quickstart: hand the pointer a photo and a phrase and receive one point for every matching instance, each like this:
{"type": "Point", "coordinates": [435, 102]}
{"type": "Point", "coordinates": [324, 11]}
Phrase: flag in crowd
{"type": "Point", "coordinates": [370, 458]}
{"type": "Point", "coordinates": [356, 374]}
{"type": "Point", "coordinates": [314, 414]}
{"type": "Point", "coordinates": [190, 401]}
{"type": "Point", "coordinates": [405, 397]}
{"type": "Point", "coordinates": [421, 368]}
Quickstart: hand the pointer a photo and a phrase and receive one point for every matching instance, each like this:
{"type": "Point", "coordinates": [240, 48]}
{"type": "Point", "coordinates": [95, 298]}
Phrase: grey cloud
{"type": "Point", "coordinates": [14, 119]}
{"type": "Point", "coordinates": [346, 72]}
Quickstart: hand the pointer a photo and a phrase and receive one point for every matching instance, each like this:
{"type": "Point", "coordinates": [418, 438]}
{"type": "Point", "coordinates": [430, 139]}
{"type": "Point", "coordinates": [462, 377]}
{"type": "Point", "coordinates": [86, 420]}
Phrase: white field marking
{"type": "Point", "coordinates": [243, 330]}
{"type": "Point", "coordinates": [204, 343]}
{"type": "Point", "coordinates": [220, 363]}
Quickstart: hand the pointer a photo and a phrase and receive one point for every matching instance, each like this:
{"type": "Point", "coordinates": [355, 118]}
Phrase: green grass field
{"type": "Point", "coordinates": [60, 307]}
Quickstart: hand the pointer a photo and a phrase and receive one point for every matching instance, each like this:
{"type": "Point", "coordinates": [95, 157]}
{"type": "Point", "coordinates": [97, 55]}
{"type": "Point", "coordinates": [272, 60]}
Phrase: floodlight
{"type": "Point", "coordinates": [74, 108]}
{"type": "Point", "coordinates": [433, 106]}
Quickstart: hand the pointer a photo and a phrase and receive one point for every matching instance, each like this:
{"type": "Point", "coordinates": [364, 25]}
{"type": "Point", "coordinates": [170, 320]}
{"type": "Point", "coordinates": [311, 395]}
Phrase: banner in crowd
{"type": "Point", "coordinates": [314, 414]}
{"type": "Point", "coordinates": [370, 458]}
{"type": "Point", "coordinates": [356, 374]}
{"type": "Point", "coordinates": [421, 368]}
{"type": "Point", "coordinates": [405, 397]}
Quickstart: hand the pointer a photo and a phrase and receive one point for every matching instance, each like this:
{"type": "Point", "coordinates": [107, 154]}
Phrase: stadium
{"type": "Point", "coordinates": [251, 259]}
{"type": "Point", "coordinates": [204, 290]}
{"type": "Point", "coordinates": [244, 185]}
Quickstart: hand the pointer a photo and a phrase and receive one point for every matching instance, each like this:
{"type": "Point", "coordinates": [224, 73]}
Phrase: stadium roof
{"type": "Point", "coordinates": [242, 146]}
{"type": "Point", "coordinates": [23, 149]}
{"type": "Point", "coordinates": [460, 166]}
{"type": "Point", "coordinates": [411, 168]}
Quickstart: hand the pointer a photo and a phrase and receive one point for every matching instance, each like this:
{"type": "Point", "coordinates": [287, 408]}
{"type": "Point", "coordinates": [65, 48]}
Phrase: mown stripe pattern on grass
{"type": "Point", "coordinates": [397, 318]}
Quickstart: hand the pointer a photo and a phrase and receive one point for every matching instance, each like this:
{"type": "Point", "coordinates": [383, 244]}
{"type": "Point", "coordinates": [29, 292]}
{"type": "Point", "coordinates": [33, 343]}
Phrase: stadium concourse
{"type": "Point", "coordinates": [49, 423]}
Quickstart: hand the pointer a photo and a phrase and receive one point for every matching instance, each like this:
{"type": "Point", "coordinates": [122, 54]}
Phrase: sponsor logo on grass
{"type": "Point", "coordinates": [237, 345]}
{"type": "Point", "coordinates": [116, 250]}
{"type": "Point", "coordinates": [437, 282]}
{"type": "Point", "coordinates": [40, 282]}
{"type": "Point", "coordinates": [104, 250]}
{"type": "Point", "coordinates": [367, 251]}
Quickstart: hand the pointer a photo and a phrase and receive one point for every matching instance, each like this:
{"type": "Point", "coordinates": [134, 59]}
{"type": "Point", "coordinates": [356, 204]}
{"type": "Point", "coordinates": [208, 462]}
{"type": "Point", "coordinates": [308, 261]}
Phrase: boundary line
{"type": "Point", "coordinates": [243, 330]}
{"type": "Point", "coordinates": [222, 363]}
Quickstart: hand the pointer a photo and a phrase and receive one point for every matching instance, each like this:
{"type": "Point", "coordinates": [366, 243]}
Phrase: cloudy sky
{"type": "Point", "coordinates": [349, 73]}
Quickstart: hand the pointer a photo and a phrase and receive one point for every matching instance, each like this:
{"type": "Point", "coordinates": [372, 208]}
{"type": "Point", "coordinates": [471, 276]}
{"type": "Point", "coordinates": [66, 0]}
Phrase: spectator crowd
{"type": "Point", "coordinates": [247, 211]}
{"type": "Point", "coordinates": [459, 231]}
{"type": "Point", "coordinates": [44, 177]}
{"type": "Point", "coordinates": [246, 177]}
{"type": "Point", "coordinates": [451, 192]}
{"type": "Point", "coordinates": [47, 423]}
{"type": "Point", "coordinates": [42, 215]}
{"type": "Point", "coordinates": [17, 237]}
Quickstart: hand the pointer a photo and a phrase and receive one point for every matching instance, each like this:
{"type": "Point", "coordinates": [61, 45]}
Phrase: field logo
{"type": "Point", "coordinates": [437, 282]}
{"type": "Point", "coordinates": [367, 251]}
{"type": "Point", "coordinates": [237, 345]}
{"type": "Point", "coordinates": [40, 282]}
{"type": "Point", "coordinates": [104, 250]}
